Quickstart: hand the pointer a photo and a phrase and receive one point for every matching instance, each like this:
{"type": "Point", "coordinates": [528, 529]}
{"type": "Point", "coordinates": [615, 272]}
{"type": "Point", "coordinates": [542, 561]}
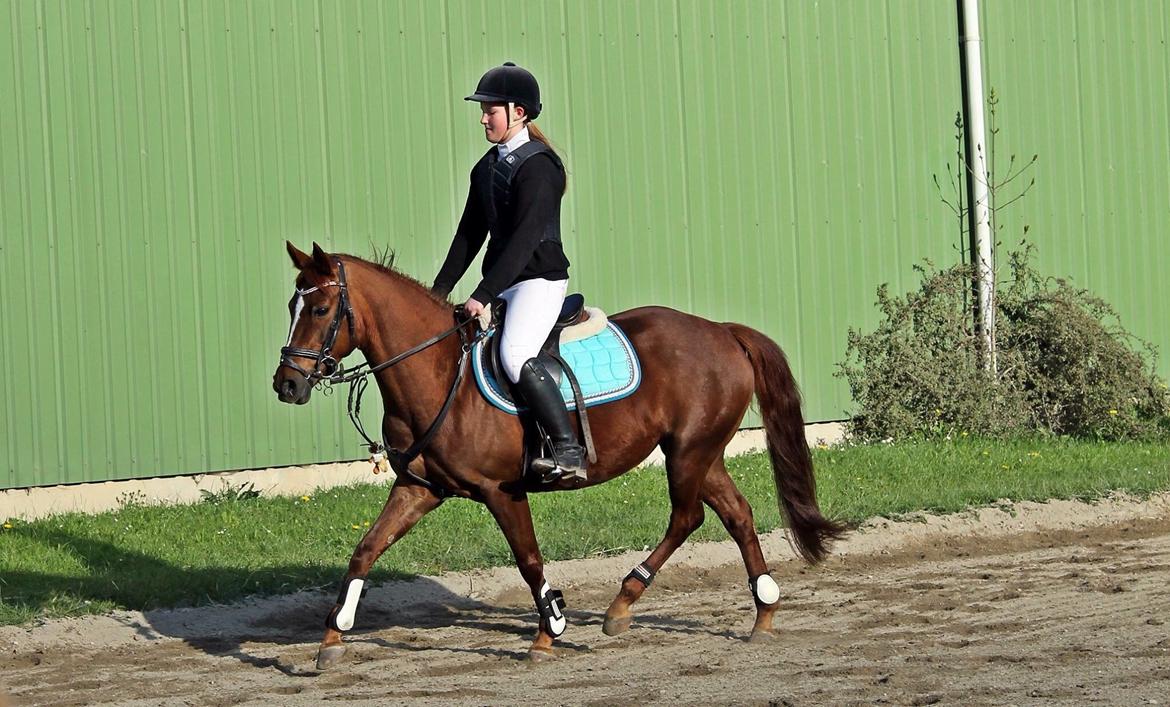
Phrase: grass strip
{"type": "Point", "coordinates": [231, 546]}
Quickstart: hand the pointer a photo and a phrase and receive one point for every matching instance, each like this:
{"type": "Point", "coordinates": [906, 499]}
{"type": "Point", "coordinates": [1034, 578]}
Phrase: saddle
{"type": "Point", "coordinates": [573, 312]}
{"type": "Point", "coordinates": [601, 356]}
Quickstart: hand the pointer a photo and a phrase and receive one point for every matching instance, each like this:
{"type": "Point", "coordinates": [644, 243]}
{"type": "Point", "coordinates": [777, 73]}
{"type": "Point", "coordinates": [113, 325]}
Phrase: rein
{"type": "Point", "coordinates": [330, 372]}
{"type": "Point", "coordinates": [358, 379]}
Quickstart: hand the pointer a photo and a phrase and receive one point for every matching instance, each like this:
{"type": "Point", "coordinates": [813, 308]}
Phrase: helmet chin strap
{"type": "Point", "coordinates": [512, 120]}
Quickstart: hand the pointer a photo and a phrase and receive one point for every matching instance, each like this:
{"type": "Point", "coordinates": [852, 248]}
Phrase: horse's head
{"type": "Point", "coordinates": [322, 328]}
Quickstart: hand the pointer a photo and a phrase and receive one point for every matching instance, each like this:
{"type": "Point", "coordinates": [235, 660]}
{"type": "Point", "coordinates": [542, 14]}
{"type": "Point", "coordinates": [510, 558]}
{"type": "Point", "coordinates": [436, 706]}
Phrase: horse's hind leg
{"type": "Point", "coordinates": [685, 472]}
{"type": "Point", "coordinates": [405, 506]}
{"type": "Point", "coordinates": [720, 493]}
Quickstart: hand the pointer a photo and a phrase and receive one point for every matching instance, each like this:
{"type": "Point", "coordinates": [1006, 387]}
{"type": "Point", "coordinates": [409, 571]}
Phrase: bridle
{"type": "Point", "coordinates": [329, 371]}
{"type": "Point", "coordinates": [326, 366]}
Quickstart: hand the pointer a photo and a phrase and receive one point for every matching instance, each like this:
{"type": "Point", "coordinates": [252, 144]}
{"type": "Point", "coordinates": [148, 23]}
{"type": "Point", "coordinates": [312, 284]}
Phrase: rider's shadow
{"type": "Point", "coordinates": [393, 613]}
{"type": "Point", "coordinates": [383, 620]}
{"type": "Point", "coordinates": [391, 616]}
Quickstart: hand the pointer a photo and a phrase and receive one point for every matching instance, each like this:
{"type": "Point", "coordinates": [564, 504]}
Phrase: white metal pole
{"type": "Point", "coordinates": [977, 169]}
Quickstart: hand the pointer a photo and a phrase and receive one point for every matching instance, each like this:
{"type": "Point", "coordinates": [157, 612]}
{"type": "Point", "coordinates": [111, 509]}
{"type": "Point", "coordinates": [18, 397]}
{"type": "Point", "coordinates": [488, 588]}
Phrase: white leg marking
{"type": "Point", "coordinates": [353, 592]}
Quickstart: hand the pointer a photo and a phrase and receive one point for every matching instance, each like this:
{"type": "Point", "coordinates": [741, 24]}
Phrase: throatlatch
{"type": "Point", "coordinates": [551, 606]}
{"type": "Point", "coordinates": [764, 589]}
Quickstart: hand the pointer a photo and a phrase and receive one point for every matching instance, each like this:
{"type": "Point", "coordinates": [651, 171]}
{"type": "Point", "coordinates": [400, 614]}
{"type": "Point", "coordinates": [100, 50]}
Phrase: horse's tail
{"type": "Point", "coordinates": [792, 467]}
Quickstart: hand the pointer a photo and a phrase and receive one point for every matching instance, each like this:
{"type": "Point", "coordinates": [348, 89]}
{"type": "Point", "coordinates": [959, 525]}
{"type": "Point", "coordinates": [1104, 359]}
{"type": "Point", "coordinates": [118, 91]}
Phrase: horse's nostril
{"type": "Point", "coordinates": [289, 387]}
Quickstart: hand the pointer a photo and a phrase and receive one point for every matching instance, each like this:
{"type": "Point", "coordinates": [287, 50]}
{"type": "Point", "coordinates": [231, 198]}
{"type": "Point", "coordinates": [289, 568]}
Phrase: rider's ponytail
{"type": "Point", "coordinates": [535, 133]}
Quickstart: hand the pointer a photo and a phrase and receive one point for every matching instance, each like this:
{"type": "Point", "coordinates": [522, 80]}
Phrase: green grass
{"type": "Point", "coordinates": [233, 545]}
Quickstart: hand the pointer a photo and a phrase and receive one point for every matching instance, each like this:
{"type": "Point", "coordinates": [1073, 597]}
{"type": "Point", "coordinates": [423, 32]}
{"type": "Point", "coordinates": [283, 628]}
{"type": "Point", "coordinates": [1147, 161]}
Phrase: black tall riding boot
{"type": "Point", "coordinates": [543, 396]}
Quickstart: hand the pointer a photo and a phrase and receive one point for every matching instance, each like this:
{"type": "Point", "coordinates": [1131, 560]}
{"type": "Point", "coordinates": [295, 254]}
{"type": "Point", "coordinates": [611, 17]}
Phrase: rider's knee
{"type": "Point", "coordinates": [512, 360]}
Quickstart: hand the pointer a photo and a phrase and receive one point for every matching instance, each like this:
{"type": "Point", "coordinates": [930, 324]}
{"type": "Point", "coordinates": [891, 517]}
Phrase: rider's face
{"type": "Point", "coordinates": [495, 121]}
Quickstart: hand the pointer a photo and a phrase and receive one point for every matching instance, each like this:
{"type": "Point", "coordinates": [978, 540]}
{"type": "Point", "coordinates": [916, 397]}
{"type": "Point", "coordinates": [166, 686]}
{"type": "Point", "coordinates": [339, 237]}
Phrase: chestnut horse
{"type": "Point", "coordinates": [698, 380]}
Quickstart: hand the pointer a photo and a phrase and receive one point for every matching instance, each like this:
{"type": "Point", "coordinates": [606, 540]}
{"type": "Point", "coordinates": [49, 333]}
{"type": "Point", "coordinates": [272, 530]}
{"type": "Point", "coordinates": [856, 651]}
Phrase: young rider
{"type": "Point", "coordinates": [525, 264]}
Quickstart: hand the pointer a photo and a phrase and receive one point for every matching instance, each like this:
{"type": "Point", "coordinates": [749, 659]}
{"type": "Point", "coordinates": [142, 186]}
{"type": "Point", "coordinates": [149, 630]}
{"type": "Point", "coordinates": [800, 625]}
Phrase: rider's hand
{"type": "Point", "coordinates": [473, 307]}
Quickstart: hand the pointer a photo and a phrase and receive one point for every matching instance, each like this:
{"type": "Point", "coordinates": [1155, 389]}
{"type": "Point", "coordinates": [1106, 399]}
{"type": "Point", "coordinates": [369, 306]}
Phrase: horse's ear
{"type": "Point", "coordinates": [322, 262]}
{"type": "Point", "coordinates": [299, 258]}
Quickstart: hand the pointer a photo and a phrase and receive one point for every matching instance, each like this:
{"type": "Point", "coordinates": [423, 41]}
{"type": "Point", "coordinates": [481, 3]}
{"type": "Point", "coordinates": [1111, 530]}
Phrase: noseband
{"type": "Point", "coordinates": [326, 366]}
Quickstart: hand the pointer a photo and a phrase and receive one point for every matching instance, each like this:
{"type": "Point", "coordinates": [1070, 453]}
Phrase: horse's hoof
{"type": "Point", "coordinates": [613, 627]}
{"type": "Point", "coordinates": [328, 656]}
{"type": "Point", "coordinates": [762, 635]}
{"type": "Point", "coordinates": [541, 655]}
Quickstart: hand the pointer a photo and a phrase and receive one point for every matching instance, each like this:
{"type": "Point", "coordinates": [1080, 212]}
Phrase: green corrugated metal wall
{"type": "Point", "coordinates": [767, 162]}
{"type": "Point", "coordinates": [1086, 86]}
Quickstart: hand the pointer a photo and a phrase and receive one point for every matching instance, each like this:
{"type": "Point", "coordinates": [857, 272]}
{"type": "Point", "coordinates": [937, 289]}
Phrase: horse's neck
{"type": "Point", "coordinates": [396, 316]}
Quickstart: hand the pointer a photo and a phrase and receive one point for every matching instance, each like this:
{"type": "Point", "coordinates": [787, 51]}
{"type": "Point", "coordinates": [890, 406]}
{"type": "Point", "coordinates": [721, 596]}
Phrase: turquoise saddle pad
{"type": "Point", "coordinates": [605, 364]}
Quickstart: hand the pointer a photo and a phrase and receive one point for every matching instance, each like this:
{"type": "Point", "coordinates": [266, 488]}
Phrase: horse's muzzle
{"type": "Point", "coordinates": [291, 388]}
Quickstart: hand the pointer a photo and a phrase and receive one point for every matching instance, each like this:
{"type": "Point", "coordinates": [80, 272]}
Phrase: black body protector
{"type": "Point", "coordinates": [537, 384]}
{"type": "Point", "coordinates": [495, 188]}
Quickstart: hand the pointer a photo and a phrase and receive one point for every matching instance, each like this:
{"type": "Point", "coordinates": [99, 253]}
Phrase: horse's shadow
{"type": "Point", "coordinates": [395, 613]}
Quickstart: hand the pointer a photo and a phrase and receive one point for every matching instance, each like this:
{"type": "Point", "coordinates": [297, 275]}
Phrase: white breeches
{"type": "Point", "coordinates": [533, 306]}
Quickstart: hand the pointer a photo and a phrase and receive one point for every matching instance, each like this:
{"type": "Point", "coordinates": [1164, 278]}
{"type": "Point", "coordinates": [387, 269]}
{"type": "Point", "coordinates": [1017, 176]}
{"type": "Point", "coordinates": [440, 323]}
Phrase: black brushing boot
{"type": "Point", "coordinates": [543, 396]}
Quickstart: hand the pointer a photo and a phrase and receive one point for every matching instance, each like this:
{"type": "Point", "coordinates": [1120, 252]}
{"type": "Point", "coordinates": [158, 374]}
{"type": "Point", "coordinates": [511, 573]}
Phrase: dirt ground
{"type": "Point", "coordinates": [1057, 603]}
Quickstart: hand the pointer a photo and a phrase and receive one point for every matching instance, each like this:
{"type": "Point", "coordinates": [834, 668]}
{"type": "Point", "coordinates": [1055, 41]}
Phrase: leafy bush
{"type": "Point", "coordinates": [1065, 365]}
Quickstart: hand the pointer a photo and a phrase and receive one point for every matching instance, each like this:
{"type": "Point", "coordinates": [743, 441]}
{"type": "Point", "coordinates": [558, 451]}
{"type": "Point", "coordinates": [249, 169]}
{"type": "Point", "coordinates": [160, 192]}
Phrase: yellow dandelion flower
{"type": "Point", "coordinates": [1112, 412]}
{"type": "Point", "coordinates": [8, 526]}
{"type": "Point", "coordinates": [1005, 466]}
{"type": "Point", "coordinates": [962, 434]}
{"type": "Point", "coordinates": [366, 523]}
{"type": "Point", "coordinates": [937, 412]}
{"type": "Point", "coordinates": [355, 526]}
{"type": "Point", "coordinates": [306, 499]}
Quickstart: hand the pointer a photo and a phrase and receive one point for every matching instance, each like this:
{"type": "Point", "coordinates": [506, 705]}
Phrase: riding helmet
{"type": "Point", "coordinates": [509, 84]}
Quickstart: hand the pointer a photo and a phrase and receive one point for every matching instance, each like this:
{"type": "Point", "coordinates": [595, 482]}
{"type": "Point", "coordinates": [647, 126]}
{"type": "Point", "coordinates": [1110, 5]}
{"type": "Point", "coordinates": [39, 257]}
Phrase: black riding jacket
{"type": "Point", "coordinates": [520, 247]}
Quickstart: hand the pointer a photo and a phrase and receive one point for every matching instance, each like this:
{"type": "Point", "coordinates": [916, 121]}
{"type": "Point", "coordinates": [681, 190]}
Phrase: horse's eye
{"type": "Point", "coordinates": [320, 311]}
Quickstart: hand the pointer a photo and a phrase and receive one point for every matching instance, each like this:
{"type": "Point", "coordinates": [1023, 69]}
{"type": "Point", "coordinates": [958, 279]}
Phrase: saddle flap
{"type": "Point", "coordinates": [491, 362]}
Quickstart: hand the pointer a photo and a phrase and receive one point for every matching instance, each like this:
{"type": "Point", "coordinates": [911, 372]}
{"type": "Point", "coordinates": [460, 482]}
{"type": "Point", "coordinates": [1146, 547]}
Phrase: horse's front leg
{"type": "Point", "coordinates": [406, 505]}
{"type": "Point", "coordinates": [515, 519]}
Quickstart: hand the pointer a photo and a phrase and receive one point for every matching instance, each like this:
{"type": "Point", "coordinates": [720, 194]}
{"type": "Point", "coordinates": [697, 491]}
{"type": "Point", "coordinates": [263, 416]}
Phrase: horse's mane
{"type": "Point", "coordinates": [383, 262]}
